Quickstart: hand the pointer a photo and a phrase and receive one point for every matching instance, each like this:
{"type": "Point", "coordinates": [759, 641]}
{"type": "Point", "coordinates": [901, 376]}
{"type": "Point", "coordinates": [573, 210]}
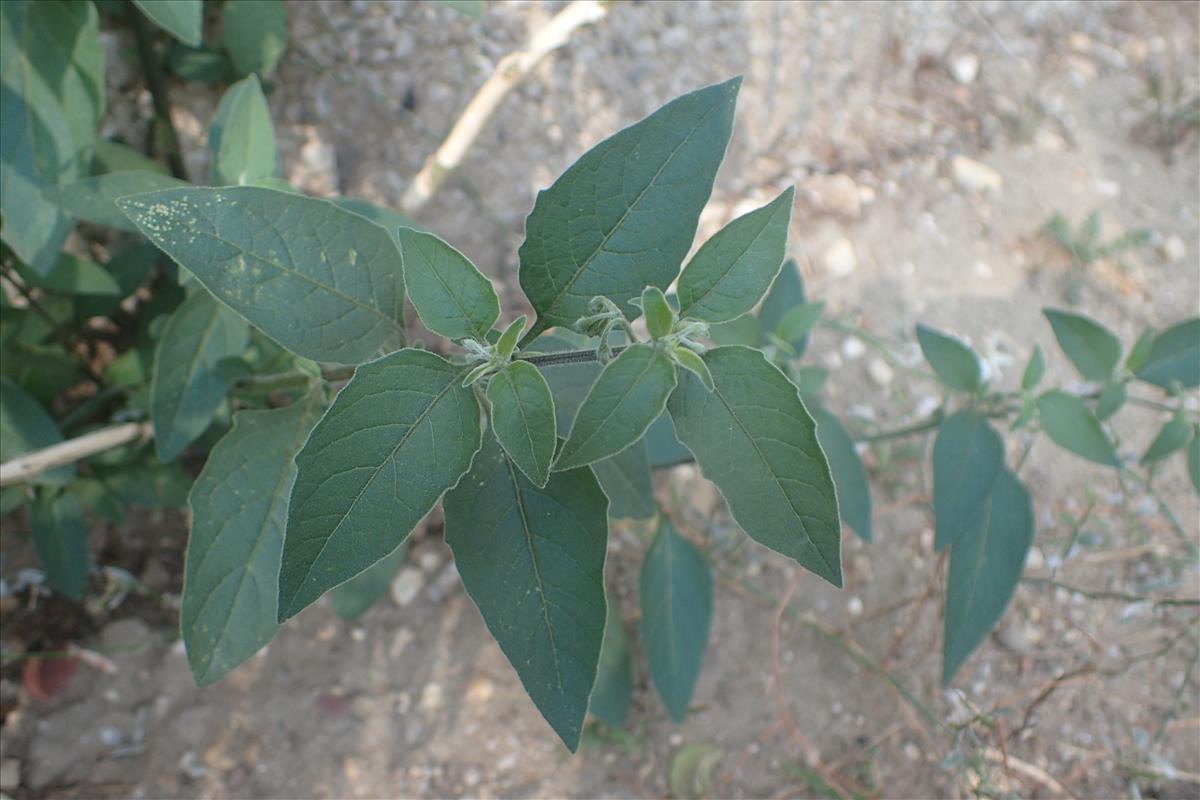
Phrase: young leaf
{"type": "Point", "coordinates": [1111, 398]}
{"type": "Point", "coordinates": [546, 605]}
{"type": "Point", "coordinates": [754, 439]}
{"type": "Point", "coordinates": [255, 34]}
{"type": "Point", "coordinates": [60, 537]}
{"type": "Point", "coordinates": [625, 479]}
{"type": "Point", "coordinates": [523, 419]}
{"type": "Point", "coordinates": [676, 598]}
{"type": "Point", "coordinates": [1173, 436]}
{"type": "Point", "coordinates": [24, 427]}
{"type": "Point", "coordinates": [1193, 459]}
{"type": "Point", "coordinates": [614, 675]}
{"type": "Point", "coordinates": [452, 297]}
{"type": "Point", "coordinates": [630, 394]}
{"type": "Point", "coordinates": [1092, 348]}
{"type": "Point", "coordinates": [1034, 370]}
{"type": "Point", "coordinates": [797, 323]}
{"type": "Point", "coordinates": [355, 596]}
{"type": "Point", "coordinates": [693, 364]}
{"type": "Point", "coordinates": [241, 137]}
{"type": "Point", "coordinates": [786, 293]}
{"type": "Point", "coordinates": [967, 456]}
{"type": "Point", "coordinates": [93, 199]}
{"type": "Point", "coordinates": [623, 216]}
{"type": "Point", "coordinates": [323, 282]}
{"type": "Point", "coordinates": [985, 566]}
{"type": "Point", "coordinates": [400, 434]}
{"type": "Point", "coordinates": [187, 384]}
{"type": "Point", "coordinates": [507, 342]}
{"type": "Point", "coordinates": [180, 18]}
{"type": "Point", "coordinates": [1140, 351]}
{"type": "Point", "coordinates": [954, 362]}
{"type": "Point", "coordinates": [239, 510]}
{"type": "Point", "coordinates": [658, 314]}
{"type": "Point", "coordinates": [733, 270]}
{"type": "Point", "coordinates": [1067, 421]}
{"type": "Point", "coordinates": [849, 476]}
{"type": "Point", "coordinates": [1174, 357]}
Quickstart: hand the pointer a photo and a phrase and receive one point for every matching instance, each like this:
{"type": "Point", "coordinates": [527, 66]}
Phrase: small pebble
{"type": "Point", "coordinates": [406, 585]}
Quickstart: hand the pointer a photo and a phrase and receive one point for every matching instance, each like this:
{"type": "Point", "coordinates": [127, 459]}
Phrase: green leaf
{"type": "Point", "coordinates": [180, 18]}
{"type": "Point", "coordinates": [355, 596]}
{"type": "Point", "coordinates": [239, 510]}
{"type": "Point", "coordinates": [60, 537]}
{"type": "Point", "coordinates": [1067, 421]}
{"type": "Point", "coordinates": [1173, 436]}
{"type": "Point", "coordinates": [386, 218]}
{"type": "Point", "coordinates": [1174, 357]}
{"type": "Point", "coordinates": [74, 276]}
{"type": "Point", "coordinates": [745, 330]}
{"type": "Point", "coordinates": [967, 456]}
{"type": "Point", "coordinates": [1140, 351]}
{"type": "Point", "coordinates": [799, 321]}
{"type": "Point", "coordinates": [659, 317]}
{"type": "Point", "coordinates": [849, 476]}
{"type": "Point", "coordinates": [272, 257]}
{"type": "Point", "coordinates": [732, 271]}
{"type": "Point", "coordinates": [400, 434]}
{"type": "Point", "coordinates": [691, 774]}
{"type": "Point", "coordinates": [614, 675]}
{"type": "Point", "coordinates": [1034, 370]}
{"type": "Point", "coordinates": [94, 199]}
{"type": "Point", "coordinates": [1193, 459]}
{"type": "Point", "coordinates": [203, 64]}
{"type": "Point", "coordinates": [523, 419]}
{"type": "Point", "coordinates": [506, 342]}
{"type": "Point", "coordinates": [532, 560]}
{"type": "Point", "coordinates": [662, 447]}
{"type": "Point", "coordinates": [623, 216]}
{"type": "Point", "coordinates": [754, 439]}
{"type": "Point", "coordinates": [955, 364]}
{"type": "Point", "coordinates": [630, 393]}
{"type": "Point", "coordinates": [451, 296]}
{"type": "Point", "coordinates": [24, 427]}
{"type": "Point", "coordinates": [255, 34]}
{"type": "Point", "coordinates": [1111, 398]}
{"type": "Point", "coordinates": [468, 8]}
{"type": "Point", "coordinates": [1093, 349]}
{"type": "Point", "coordinates": [187, 384]}
{"type": "Point", "coordinates": [985, 566]}
{"type": "Point", "coordinates": [693, 364]}
{"type": "Point", "coordinates": [114, 156]}
{"type": "Point", "coordinates": [241, 137]}
{"type": "Point", "coordinates": [150, 484]}
{"type": "Point", "coordinates": [625, 479]}
{"type": "Point", "coordinates": [676, 598]}
{"type": "Point", "coordinates": [786, 293]}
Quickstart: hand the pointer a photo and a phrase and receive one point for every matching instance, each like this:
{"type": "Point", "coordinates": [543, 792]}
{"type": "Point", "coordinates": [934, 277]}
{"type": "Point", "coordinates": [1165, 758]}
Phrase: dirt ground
{"type": "Point", "coordinates": [1082, 692]}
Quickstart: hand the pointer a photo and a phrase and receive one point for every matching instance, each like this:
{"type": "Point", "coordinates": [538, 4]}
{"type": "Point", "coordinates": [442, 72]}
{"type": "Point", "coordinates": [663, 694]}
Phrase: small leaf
{"type": "Point", "coordinates": [625, 479]}
{"type": "Point", "coordinates": [273, 258]}
{"type": "Point", "coordinates": [507, 343]}
{"type": "Point", "coordinates": [662, 446]}
{"type": "Point", "coordinates": [658, 314]}
{"type": "Point", "coordinates": [754, 439]}
{"type": "Point", "coordinates": [849, 476]}
{"type": "Point", "coordinates": [798, 322]}
{"type": "Point", "coordinates": [1141, 351]}
{"type": "Point", "coordinates": [180, 18]}
{"type": "Point", "coordinates": [693, 364]}
{"type": "Point", "coordinates": [786, 293]}
{"type": "Point", "coordinates": [967, 456]}
{"type": "Point", "coordinates": [1067, 421]}
{"type": "Point", "coordinates": [1173, 436]}
{"type": "Point", "coordinates": [452, 297]}
{"type": "Point", "coordinates": [1174, 357]}
{"type": "Point", "coordinates": [255, 33]}
{"type": "Point", "coordinates": [24, 427]}
{"type": "Point", "coordinates": [241, 138]}
{"type": "Point", "coordinates": [1111, 398]}
{"type": "Point", "coordinates": [985, 567]}
{"type": "Point", "coordinates": [546, 606]}
{"type": "Point", "coordinates": [187, 384]}
{"type": "Point", "coordinates": [614, 675]}
{"type": "Point", "coordinates": [1034, 370]}
{"type": "Point", "coordinates": [355, 596]}
{"type": "Point", "coordinates": [676, 598]}
{"type": "Point", "coordinates": [1193, 459]}
{"type": "Point", "coordinates": [733, 270]}
{"type": "Point", "coordinates": [239, 511]}
{"type": "Point", "coordinates": [691, 773]}
{"type": "Point", "coordinates": [60, 537]}
{"type": "Point", "coordinates": [623, 216]}
{"type": "Point", "coordinates": [1092, 348]}
{"type": "Point", "coordinates": [93, 199]}
{"type": "Point", "coordinates": [401, 433]}
{"type": "Point", "coordinates": [204, 64]}
{"type": "Point", "coordinates": [523, 419]}
{"type": "Point", "coordinates": [628, 395]}
{"type": "Point", "coordinates": [954, 362]}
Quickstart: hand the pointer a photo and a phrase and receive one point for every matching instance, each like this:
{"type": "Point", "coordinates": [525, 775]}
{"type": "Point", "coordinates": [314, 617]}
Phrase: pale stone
{"type": "Point", "coordinates": [974, 176]}
{"type": "Point", "coordinates": [1173, 249]}
{"type": "Point", "coordinates": [406, 585]}
{"type": "Point", "coordinates": [839, 258]}
{"type": "Point", "coordinates": [880, 372]}
{"type": "Point", "coordinates": [965, 69]}
{"type": "Point", "coordinates": [834, 194]}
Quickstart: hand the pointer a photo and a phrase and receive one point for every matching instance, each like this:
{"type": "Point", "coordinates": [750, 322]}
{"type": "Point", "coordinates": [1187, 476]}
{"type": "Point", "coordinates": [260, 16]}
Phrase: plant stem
{"type": "Point", "coordinates": [1122, 597]}
{"type": "Point", "coordinates": [927, 424]}
{"type": "Point", "coordinates": [269, 383]}
{"type": "Point", "coordinates": [565, 357]}
{"type": "Point", "coordinates": [155, 82]}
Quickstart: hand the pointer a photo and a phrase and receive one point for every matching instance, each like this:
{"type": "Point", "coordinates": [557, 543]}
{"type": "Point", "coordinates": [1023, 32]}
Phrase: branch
{"type": "Point", "coordinates": [24, 467]}
{"type": "Point", "coordinates": [508, 73]}
{"type": "Point", "coordinates": [565, 357]}
{"type": "Point", "coordinates": [152, 71]}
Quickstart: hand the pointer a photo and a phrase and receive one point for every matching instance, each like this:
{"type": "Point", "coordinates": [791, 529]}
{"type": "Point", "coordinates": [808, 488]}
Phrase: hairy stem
{"type": "Point", "coordinates": [565, 357]}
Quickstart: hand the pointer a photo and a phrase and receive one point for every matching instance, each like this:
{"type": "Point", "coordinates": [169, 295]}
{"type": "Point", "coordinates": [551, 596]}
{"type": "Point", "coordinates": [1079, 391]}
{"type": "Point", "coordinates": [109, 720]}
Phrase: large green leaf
{"type": "Point", "coordinates": [663, 448]}
{"type": "Point", "coordinates": [322, 281]}
{"type": "Point", "coordinates": [1068, 422]}
{"type": "Point", "coordinates": [24, 427]}
{"type": "Point", "coordinates": [388, 219]}
{"type": "Point", "coordinates": [625, 479]}
{"type": "Point", "coordinates": [254, 33]}
{"type": "Point", "coordinates": [754, 439]}
{"type": "Point", "coordinates": [1174, 357]}
{"type": "Point", "coordinates": [955, 364]}
{"type": "Point", "coordinates": [74, 276]}
{"type": "Point", "coordinates": [676, 599]}
{"type": "Point", "coordinates": [967, 456]}
{"type": "Point", "coordinates": [985, 566]}
{"type": "Point", "coordinates": [400, 434]}
{"type": "Point", "coordinates": [239, 510]}
{"type": "Point", "coordinates": [849, 476]}
{"type": "Point", "coordinates": [241, 137]}
{"type": "Point", "coordinates": [613, 692]}
{"type": "Point", "coordinates": [733, 270]}
{"type": "Point", "coordinates": [451, 296]}
{"type": "Point", "coordinates": [180, 18]}
{"type": "Point", "coordinates": [623, 216]}
{"type": "Point", "coordinates": [60, 539]}
{"type": "Point", "coordinates": [93, 199]}
{"type": "Point", "coordinates": [355, 596]}
{"type": "Point", "coordinates": [630, 393]}
{"type": "Point", "coordinates": [523, 419]}
{"type": "Point", "coordinates": [1093, 349]}
{"type": "Point", "coordinates": [533, 561]}
{"type": "Point", "coordinates": [188, 383]}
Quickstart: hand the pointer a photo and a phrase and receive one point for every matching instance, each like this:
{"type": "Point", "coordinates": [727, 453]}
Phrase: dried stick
{"type": "Point", "coordinates": [27, 466]}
